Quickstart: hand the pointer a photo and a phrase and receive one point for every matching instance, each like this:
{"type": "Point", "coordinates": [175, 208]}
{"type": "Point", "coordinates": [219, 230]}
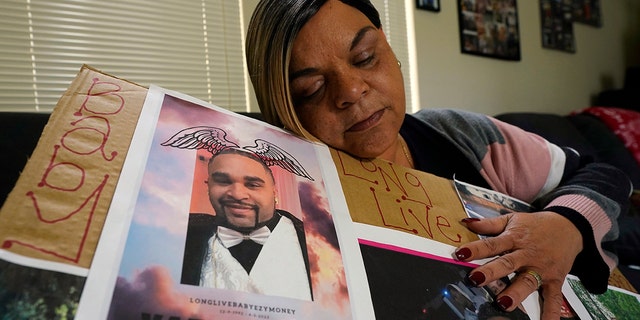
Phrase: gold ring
{"type": "Point", "coordinates": [536, 276]}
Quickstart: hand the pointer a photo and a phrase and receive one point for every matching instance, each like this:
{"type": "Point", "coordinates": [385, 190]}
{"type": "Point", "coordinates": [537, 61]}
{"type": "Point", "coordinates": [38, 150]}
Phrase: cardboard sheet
{"type": "Point", "coordinates": [382, 194]}
{"type": "Point", "coordinates": [56, 210]}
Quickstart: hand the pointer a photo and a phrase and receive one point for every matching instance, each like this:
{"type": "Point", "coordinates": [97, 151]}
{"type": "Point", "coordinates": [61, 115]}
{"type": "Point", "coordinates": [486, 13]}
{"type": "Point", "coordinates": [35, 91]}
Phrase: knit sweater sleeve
{"type": "Point", "coordinates": [553, 178]}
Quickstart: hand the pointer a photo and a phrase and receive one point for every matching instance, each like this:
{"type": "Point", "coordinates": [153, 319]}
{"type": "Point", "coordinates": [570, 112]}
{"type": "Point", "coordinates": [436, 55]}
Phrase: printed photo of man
{"type": "Point", "coordinates": [248, 245]}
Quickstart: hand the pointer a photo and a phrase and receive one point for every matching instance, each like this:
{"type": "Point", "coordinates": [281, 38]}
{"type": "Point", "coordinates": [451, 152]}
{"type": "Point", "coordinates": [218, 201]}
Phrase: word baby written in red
{"type": "Point", "coordinates": [65, 202]}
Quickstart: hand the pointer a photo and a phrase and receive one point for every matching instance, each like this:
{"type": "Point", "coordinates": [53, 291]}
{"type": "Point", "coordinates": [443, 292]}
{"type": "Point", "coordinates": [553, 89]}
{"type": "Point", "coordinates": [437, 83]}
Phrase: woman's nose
{"type": "Point", "coordinates": [350, 87]}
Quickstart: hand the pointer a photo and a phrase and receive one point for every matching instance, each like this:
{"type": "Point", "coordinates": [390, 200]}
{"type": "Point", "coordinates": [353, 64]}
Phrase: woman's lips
{"type": "Point", "coordinates": [368, 122]}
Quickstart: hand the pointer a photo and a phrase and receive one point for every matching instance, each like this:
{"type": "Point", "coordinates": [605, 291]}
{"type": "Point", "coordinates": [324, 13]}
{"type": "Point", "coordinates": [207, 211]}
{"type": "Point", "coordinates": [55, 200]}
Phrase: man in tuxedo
{"type": "Point", "coordinates": [249, 245]}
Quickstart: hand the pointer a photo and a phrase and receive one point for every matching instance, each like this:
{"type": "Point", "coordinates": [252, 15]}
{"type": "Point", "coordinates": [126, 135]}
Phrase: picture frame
{"type": "Point", "coordinates": [429, 5]}
{"type": "Point", "coordinates": [489, 28]}
{"type": "Point", "coordinates": [587, 12]}
{"type": "Point", "coordinates": [556, 26]}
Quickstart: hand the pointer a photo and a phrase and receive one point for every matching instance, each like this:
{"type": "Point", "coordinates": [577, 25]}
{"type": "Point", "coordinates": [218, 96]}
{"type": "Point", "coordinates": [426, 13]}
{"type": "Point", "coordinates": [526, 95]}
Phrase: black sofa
{"type": "Point", "coordinates": [19, 134]}
{"type": "Point", "coordinates": [626, 97]}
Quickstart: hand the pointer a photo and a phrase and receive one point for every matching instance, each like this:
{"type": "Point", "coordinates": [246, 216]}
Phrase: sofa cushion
{"type": "Point", "coordinates": [625, 124]}
{"type": "Point", "coordinates": [608, 147]}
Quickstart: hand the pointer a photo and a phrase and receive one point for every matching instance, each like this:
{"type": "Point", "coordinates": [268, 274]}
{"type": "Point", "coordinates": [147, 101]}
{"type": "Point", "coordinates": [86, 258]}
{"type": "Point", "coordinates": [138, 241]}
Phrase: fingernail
{"type": "Point", "coordinates": [505, 302]}
{"type": "Point", "coordinates": [469, 220]}
{"type": "Point", "coordinates": [476, 278]}
{"type": "Point", "coordinates": [463, 254]}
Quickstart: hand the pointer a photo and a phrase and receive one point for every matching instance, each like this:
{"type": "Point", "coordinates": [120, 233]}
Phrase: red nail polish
{"type": "Point", "coordinates": [469, 220]}
{"type": "Point", "coordinates": [505, 302]}
{"type": "Point", "coordinates": [463, 254]}
{"type": "Point", "coordinates": [476, 278]}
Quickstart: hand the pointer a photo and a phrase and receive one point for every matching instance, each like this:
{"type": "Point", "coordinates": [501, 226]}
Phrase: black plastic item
{"type": "Point", "coordinates": [632, 273]}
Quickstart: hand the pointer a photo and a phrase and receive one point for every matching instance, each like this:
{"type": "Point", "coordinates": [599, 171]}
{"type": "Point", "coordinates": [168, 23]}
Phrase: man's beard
{"type": "Point", "coordinates": [224, 203]}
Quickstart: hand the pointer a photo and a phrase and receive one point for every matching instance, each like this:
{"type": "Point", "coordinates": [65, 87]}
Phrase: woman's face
{"type": "Point", "coordinates": [346, 84]}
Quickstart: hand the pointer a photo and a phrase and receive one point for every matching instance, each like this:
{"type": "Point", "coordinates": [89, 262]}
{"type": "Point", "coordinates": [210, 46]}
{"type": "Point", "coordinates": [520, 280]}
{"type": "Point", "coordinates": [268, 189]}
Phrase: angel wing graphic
{"type": "Point", "coordinates": [215, 140]}
{"type": "Point", "coordinates": [202, 137]}
{"type": "Point", "coordinates": [271, 154]}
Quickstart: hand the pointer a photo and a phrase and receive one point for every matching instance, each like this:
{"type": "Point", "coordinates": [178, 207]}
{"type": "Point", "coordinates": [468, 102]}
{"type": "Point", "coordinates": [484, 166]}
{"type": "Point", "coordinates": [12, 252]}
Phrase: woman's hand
{"type": "Point", "coordinates": [529, 244]}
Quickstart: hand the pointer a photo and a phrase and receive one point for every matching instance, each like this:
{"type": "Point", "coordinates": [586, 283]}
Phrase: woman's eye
{"type": "Point", "coordinates": [365, 60]}
{"type": "Point", "coordinates": [311, 90]}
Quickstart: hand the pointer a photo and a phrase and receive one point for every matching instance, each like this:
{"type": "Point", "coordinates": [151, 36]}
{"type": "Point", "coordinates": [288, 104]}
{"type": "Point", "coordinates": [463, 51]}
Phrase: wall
{"type": "Point", "coordinates": [543, 80]}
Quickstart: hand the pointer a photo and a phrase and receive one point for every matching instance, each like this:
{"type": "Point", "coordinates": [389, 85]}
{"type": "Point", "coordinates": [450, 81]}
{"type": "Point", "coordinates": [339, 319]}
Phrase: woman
{"type": "Point", "coordinates": [324, 70]}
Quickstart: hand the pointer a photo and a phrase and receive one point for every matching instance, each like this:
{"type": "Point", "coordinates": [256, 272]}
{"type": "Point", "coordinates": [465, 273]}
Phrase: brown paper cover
{"type": "Point", "coordinates": [58, 206]}
{"type": "Point", "coordinates": [383, 194]}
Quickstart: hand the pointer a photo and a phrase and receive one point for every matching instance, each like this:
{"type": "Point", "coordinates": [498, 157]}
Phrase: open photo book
{"type": "Point", "coordinates": [127, 210]}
